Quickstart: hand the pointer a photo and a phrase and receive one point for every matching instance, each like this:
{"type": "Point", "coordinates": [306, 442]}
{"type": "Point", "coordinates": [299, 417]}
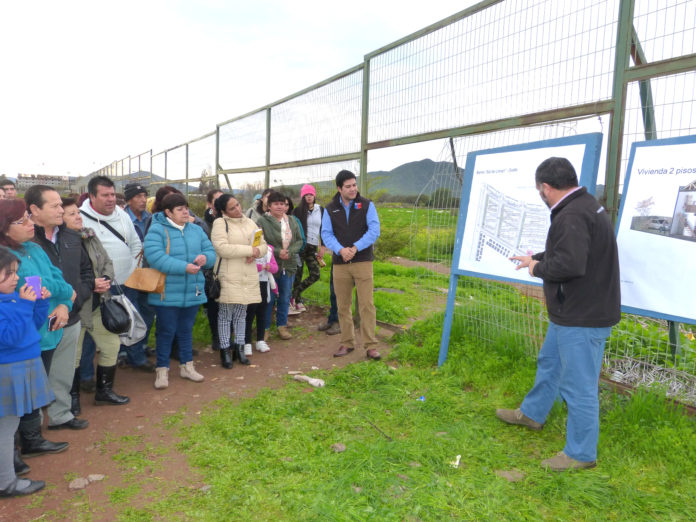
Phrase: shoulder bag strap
{"type": "Point", "coordinates": [105, 224]}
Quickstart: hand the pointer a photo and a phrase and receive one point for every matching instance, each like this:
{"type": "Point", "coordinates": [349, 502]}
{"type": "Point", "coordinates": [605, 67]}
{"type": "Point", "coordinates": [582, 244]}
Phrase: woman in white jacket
{"type": "Point", "coordinates": [233, 238]}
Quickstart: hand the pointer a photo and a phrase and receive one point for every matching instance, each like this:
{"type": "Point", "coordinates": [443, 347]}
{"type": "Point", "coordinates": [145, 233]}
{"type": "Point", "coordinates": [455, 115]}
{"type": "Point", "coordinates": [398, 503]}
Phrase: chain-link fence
{"type": "Point", "coordinates": [499, 73]}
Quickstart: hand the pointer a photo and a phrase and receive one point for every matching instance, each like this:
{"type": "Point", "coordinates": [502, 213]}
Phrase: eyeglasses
{"type": "Point", "coordinates": [21, 221]}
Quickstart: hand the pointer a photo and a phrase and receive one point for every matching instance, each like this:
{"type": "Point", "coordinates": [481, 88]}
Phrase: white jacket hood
{"type": "Point", "coordinates": [123, 254]}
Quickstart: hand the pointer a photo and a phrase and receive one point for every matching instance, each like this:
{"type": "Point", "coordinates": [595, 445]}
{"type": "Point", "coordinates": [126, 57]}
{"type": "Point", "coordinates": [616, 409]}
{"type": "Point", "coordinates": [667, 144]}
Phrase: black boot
{"type": "Point", "coordinates": [75, 394]}
{"type": "Point", "coordinates": [239, 352]}
{"type": "Point", "coordinates": [105, 388]}
{"type": "Point", "coordinates": [20, 467]}
{"type": "Point", "coordinates": [32, 442]}
{"type": "Point", "coordinates": [226, 358]}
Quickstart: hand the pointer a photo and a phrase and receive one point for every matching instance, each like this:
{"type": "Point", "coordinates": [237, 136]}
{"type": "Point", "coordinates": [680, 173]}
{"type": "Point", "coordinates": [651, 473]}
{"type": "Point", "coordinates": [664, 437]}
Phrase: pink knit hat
{"type": "Point", "coordinates": [307, 189]}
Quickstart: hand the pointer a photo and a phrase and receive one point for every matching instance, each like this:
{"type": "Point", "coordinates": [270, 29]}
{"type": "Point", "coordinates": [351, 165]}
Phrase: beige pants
{"type": "Point", "coordinates": [358, 275]}
{"type": "Point", "coordinates": [107, 343]}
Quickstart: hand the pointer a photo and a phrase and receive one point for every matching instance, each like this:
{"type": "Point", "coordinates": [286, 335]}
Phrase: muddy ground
{"type": "Point", "coordinates": [92, 450]}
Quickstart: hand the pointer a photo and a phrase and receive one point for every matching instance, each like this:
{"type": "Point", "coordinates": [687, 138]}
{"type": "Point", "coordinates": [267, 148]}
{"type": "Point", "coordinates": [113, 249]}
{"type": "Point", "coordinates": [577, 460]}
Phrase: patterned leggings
{"type": "Point", "coordinates": [307, 257]}
{"type": "Point", "coordinates": [233, 315]}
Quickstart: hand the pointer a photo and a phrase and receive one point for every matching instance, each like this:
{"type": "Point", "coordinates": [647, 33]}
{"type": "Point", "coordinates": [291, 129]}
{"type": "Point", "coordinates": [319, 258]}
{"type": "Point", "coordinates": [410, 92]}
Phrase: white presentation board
{"type": "Point", "coordinates": [656, 231]}
{"type": "Point", "coordinates": [501, 214]}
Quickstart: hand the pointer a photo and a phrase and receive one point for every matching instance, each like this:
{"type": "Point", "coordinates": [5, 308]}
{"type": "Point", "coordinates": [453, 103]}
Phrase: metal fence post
{"type": "Point", "coordinates": [267, 178]}
{"type": "Point", "coordinates": [363, 184]}
{"type": "Point", "coordinates": [618, 113]}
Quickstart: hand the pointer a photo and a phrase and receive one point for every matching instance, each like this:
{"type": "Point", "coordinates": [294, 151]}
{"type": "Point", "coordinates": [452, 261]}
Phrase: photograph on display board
{"type": "Point", "coordinates": [680, 224]}
{"type": "Point", "coordinates": [656, 231]}
{"type": "Point", "coordinates": [501, 213]}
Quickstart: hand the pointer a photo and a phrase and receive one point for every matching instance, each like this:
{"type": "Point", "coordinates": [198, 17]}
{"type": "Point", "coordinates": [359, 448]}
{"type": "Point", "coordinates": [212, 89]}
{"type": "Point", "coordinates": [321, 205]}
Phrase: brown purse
{"type": "Point", "coordinates": [149, 280]}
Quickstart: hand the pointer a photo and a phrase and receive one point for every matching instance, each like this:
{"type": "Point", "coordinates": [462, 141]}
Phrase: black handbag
{"type": "Point", "coordinates": [114, 316]}
{"type": "Point", "coordinates": [212, 283]}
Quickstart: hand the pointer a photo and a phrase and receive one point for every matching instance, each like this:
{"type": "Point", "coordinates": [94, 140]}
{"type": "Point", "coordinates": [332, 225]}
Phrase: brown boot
{"type": "Point", "coordinates": [334, 329]}
{"type": "Point", "coordinates": [284, 333]}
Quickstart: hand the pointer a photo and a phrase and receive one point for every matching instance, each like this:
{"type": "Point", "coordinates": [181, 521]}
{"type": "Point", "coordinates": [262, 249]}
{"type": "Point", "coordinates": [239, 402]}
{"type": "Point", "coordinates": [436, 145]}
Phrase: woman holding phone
{"type": "Point", "coordinates": [16, 233]}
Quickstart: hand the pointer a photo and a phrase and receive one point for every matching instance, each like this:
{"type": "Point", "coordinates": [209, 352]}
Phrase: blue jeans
{"type": "Point", "coordinates": [147, 312]}
{"type": "Point", "coordinates": [569, 362]}
{"type": "Point", "coordinates": [284, 281]}
{"type": "Point", "coordinates": [174, 321]}
{"type": "Point", "coordinates": [135, 353]}
{"type": "Point", "coordinates": [89, 350]}
{"type": "Point", "coordinates": [333, 311]}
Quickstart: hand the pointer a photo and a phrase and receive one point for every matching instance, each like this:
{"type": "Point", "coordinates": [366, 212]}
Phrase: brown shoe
{"type": "Point", "coordinates": [266, 335]}
{"type": "Point", "coordinates": [343, 350]}
{"type": "Point", "coordinates": [334, 329]}
{"type": "Point", "coordinates": [562, 462]}
{"type": "Point", "coordinates": [517, 417]}
{"type": "Point", "coordinates": [325, 325]}
{"type": "Point", "coordinates": [284, 333]}
{"type": "Point", "coordinates": [373, 354]}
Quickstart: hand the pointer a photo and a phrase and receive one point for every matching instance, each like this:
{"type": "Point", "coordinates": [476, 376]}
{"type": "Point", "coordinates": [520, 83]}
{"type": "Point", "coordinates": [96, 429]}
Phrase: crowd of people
{"type": "Point", "coordinates": [64, 257]}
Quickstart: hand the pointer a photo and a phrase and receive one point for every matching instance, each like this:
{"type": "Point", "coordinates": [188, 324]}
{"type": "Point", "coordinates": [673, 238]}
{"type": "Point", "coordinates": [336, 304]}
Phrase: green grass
{"type": "Point", "coordinates": [416, 233]}
{"type": "Point", "coordinates": [270, 457]}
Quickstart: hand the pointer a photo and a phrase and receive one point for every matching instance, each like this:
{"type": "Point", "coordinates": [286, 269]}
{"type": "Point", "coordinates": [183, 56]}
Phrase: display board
{"type": "Point", "coordinates": [502, 215]}
{"type": "Point", "coordinates": [656, 231]}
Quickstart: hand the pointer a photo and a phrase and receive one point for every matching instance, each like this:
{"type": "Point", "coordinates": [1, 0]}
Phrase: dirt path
{"type": "Point", "coordinates": [115, 434]}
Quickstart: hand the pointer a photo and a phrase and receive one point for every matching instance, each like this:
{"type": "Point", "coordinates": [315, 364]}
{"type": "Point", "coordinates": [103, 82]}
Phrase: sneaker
{"type": "Point", "coordinates": [262, 347]}
{"type": "Point", "coordinates": [517, 417]}
{"type": "Point", "coordinates": [292, 310]}
{"type": "Point", "coordinates": [162, 377]}
{"type": "Point", "coordinates": [300, 307]}
{"type": "Point", "coordinates": [562, 462]}
{"type": "Point", "coordinates": [187, 371]}
{"type": "Point", "coordinates": [284, 333]}
{"type": "Point", "coordinates": [247, 349]}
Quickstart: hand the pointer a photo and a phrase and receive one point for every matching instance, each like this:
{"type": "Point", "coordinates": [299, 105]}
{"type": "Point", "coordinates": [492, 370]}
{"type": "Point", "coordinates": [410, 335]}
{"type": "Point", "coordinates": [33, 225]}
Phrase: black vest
{"type": "Point", "coordinates": [348, 232]}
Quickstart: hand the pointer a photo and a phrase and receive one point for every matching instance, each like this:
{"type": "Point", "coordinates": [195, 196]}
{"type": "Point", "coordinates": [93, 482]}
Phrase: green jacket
{"type": "Point", "coordinates": [271, 233]}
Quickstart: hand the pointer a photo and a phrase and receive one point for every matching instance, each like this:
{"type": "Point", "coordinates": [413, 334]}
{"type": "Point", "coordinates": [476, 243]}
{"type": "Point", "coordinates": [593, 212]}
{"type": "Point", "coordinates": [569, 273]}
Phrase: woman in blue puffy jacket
{"type": "Point", "coordinates": [180, 250]}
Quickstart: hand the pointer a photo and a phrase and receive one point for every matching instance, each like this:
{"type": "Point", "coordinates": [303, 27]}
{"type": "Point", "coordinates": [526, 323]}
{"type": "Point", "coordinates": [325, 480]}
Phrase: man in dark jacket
{"type": "Point", "coordinates": [580, 270]}
{"type": "Point", "coordinates": [65, 250]}
{"type": "Point", "coordinates": [349, 228]}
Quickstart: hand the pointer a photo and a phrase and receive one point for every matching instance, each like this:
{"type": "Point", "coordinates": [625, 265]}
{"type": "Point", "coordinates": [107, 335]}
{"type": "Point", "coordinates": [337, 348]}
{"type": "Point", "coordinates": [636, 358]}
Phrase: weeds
{"type": "Point", "coordinates": [403, 422]}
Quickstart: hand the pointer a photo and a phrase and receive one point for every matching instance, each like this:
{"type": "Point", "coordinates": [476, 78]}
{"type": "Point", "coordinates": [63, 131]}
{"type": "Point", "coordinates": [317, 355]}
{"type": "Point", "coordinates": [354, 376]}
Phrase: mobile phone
{"type": "Point", "coordinates": [51, 323]}
{"type": "Point", "coordinates": [35, 283]}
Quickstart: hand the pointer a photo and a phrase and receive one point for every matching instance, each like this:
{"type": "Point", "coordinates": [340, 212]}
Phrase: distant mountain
{"type": "Point", "coordinates": [414, 177]}
{"type": "Point", "coordinates": [408, 179]}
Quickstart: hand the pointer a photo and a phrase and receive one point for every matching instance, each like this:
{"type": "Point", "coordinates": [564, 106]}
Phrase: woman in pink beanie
{"type": "Point", "coordinates": [309, 213]}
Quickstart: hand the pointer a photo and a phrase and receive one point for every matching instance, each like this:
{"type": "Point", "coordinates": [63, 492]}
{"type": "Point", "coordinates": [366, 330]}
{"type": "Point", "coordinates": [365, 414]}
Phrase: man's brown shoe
{"type": "Point", "coordinates": [517, 417]}
{"type": "Point", "coordinates": [373, 354]}
{"type": "Point", "coordinates": [284, 333]}
{"type": "Point", "coordinates": [343, 350]}
{"type": "Point", "coordinates": [562, 462]}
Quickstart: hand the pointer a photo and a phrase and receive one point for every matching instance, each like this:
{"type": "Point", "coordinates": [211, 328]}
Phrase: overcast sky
{"type": "Point", "coordinates": [88, 82]}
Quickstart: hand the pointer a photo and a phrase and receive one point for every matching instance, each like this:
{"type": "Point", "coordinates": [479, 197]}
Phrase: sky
{"type": "Point", "coordinates": [89, 82]}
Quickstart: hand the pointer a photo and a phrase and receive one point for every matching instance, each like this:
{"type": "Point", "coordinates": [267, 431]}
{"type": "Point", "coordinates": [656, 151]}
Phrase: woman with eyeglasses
{"type": "Point", "coordinates": [16, 233]}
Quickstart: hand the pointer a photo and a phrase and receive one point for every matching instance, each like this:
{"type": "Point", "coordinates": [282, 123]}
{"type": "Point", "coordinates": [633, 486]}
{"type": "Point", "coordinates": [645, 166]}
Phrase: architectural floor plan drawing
{"type": "Point", "coordinates": [509, 226]}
